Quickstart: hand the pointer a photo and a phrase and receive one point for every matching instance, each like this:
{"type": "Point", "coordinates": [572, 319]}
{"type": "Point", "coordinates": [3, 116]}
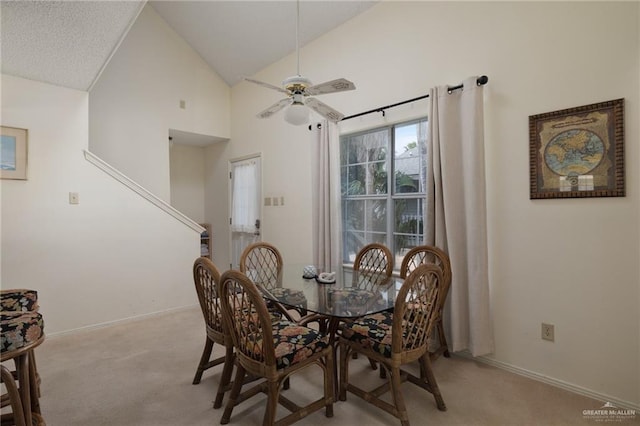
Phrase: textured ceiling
{"type": "Point", "coordinates": [67, 43]}
{"type": "Point", "coordinates": [63, 43]}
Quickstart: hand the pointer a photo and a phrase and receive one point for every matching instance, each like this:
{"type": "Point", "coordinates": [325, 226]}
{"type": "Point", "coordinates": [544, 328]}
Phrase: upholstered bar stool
{"type": "Point", "coordinates": [22, 331]}
{"type": "Point", "coordinates": [19, 300]}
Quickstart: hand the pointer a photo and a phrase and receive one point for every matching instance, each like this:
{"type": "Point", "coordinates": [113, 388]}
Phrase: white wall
{"type": "Point", "coordinates": [137, 100]}
{"type": "Point", "coordinates": [573, 263]}
{"type": "Point", "coordinates": [111, 257]}
{"type": "Point", "coordinates": [217, 200]}
{"type": "Point", "coordinates": [187, 180]}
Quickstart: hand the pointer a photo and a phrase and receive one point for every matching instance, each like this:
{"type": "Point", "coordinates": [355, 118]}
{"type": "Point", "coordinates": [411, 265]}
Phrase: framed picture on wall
{"type": "Point", "coordinates": [13, 153]}
{"type": "Point", "coordinates": [578, 152]}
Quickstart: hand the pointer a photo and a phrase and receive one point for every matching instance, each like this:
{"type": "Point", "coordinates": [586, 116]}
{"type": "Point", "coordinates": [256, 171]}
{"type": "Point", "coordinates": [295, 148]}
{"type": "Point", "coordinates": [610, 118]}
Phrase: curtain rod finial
{"type": "Point", "coordinates": [482, 80]}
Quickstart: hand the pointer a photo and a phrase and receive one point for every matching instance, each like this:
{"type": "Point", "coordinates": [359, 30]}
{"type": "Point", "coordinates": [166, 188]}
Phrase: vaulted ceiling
{"type": "Point", "coordinates": [67, 43]}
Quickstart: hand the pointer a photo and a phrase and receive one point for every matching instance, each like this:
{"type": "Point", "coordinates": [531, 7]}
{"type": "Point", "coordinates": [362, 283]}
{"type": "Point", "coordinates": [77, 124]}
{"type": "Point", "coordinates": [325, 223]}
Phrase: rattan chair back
{"type": "Point", "coordinates": [415, 312]}
{"type": "Point", "coordinates": [262, 263]}
{"type": "Point", "coordinates": [427, 254]}
{"type": "Point", "coordinates": [248, 320]}
{"type": "Point", "coordinates": [206, 278]}
{"type": "Point", "coordinates": [424, 255]}
{"type": "Point", "coordinates": [372, 260]}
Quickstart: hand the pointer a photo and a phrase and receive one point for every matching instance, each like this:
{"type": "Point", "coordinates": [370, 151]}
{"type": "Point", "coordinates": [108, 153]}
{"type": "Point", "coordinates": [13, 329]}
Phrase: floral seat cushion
{"type": "Point", "coordinates": [371, 331]}
{"type": "Point", "coordinates": [374, 331]}
{"type": "Point", "coordinates": [18, 300]}
{"type": "Point", "coordinates": [290, 297]}
{"type": "Point", "coordinates": [294, 343]}
{"type": "Point", "coordinates": [354, 301]}
{"type": "Point", "coordinates": [19, 329]}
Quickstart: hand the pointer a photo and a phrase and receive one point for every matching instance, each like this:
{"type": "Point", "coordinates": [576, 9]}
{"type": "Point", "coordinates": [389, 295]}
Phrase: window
{"type": "Point", "coordinates": [383, 183]}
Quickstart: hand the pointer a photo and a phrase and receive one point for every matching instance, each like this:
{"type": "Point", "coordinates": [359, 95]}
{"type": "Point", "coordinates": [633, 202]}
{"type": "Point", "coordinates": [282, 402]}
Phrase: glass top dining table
{"type": "Point", "coordinates": [352, 295]}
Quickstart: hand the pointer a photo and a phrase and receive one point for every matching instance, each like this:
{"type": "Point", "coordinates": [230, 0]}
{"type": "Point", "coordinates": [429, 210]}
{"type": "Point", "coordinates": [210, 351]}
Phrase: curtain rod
{"type": "Point", "coordinates": [482, 80]}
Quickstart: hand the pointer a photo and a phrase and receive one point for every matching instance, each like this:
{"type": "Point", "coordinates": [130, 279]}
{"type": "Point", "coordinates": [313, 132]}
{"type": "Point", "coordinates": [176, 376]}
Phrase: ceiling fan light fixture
{"type": "Point", "coordinates": [300, 90]}
{"type": "Point", "coordinates": [297, 114]}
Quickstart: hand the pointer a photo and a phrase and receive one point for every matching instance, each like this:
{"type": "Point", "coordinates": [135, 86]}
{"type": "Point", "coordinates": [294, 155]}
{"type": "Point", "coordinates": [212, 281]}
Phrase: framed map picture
{"type": "Point", "coordinates": [13, 153]}
{"type": "Point", "coordinates": [578, 152]}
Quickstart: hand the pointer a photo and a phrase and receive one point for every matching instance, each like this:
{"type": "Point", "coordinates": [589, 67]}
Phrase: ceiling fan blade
{"type": "Point", "coordinates": [267, 85]}
{"type": "Point", "coordinates": [324, 110]}
{"type": "Point", "coordinates": [338, 85]}
{"type": "Point", "coordinates": [275, 108]}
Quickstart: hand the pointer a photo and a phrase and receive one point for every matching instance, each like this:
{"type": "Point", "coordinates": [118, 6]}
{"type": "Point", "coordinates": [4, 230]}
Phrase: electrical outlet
{"type": "Point", "coordinates": [548, 332]}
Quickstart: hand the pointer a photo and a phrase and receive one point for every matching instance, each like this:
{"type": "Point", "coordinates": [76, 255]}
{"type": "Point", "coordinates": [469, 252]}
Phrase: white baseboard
{"type": "Point", "coordinates": [116, 322]}
{"type": "Point", "coordinates": [552, 381]}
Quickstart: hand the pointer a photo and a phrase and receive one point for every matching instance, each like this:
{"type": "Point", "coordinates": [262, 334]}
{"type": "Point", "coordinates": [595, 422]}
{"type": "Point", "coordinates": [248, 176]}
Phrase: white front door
{"type": "Point", "coordinates": [245, 217]}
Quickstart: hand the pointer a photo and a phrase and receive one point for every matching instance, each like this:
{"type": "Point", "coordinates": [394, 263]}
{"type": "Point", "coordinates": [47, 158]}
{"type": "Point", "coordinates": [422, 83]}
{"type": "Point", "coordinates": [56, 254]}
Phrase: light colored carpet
{"type": "Point", "coordinates": [140, 373]}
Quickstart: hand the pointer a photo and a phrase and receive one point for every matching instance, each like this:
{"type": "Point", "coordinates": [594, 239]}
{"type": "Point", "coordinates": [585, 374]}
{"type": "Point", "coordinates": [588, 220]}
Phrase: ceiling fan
{"type": "Point", "coordinates": [299, 90]}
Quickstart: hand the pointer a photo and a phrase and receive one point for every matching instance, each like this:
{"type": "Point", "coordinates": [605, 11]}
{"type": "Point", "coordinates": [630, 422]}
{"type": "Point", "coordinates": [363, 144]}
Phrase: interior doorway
{"type": "Point", "coordinates": [245, 216]}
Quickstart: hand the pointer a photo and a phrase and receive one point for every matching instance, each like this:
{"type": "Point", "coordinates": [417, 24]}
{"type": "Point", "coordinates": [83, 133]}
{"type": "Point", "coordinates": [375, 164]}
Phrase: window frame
{"type": "Point", "coordinates": [390, 197]}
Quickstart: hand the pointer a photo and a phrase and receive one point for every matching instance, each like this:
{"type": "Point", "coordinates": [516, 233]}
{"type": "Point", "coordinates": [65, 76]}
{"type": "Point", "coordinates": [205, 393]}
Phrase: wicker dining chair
{"type": "Point", "coordinates": [429, 254]}
{"type": "Point", "coordinates": [271, 350]}
{"type": "Point", "coordinates": [206, 278]}
{"type": "Point", "coordinates": [394, 339]}
{"type": "Point", "coordinates": [262, 263]}
{"type": "Point", "coordinates": [372, 266]}
{"type": "Point", "coordinates": [372, 259]}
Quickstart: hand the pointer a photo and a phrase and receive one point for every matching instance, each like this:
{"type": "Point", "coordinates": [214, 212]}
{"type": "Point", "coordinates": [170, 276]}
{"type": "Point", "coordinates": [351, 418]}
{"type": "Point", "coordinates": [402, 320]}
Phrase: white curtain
{"type": "Point", "coordinates": [325, 196]}
{"type": "Point", "coordinates": [456, 211]}
{"type": "Point", "coordinates": [245, 203]}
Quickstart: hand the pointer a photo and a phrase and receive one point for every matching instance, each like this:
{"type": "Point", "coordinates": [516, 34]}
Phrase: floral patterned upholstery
{"type": "Point", "coordinates": [19, 329]}
{"type": "Point", "coordinates": [20, 321]}
{"type": "Point", "coordinates": [18, 300]}
{"type": "Point", "coordinates": [295, 343]}
{"type": "Point", "coordinates": [290, 297]}
{"type": "Point", "coordinates": [371, 331]}
{"type": "Point", "coordinates": [354, 300]}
